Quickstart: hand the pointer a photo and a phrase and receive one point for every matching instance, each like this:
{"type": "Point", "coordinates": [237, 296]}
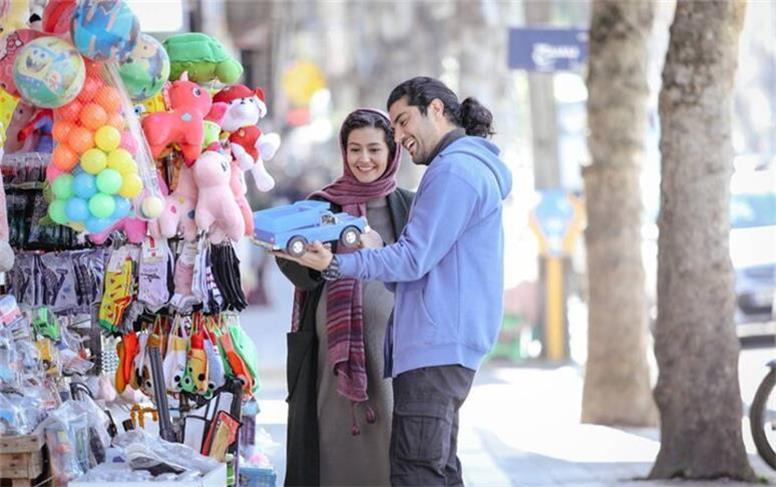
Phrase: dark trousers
{"type": "Point", "coordinates": [424, 438]}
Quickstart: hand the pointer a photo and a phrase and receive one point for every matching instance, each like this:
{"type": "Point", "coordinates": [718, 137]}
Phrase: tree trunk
{"type": "Point", "coordinates": [695, 344]}
{"type": "Point", "coordinates": [617, 390]}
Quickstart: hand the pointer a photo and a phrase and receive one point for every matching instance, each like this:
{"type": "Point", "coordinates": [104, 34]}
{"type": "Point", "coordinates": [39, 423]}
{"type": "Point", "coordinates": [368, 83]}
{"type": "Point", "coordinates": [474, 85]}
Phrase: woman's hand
{"type": "Point", "coordinates": [317, 256]}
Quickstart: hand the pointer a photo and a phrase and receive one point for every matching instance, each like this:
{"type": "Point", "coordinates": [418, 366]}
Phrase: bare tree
{"type": "Point", "coordinates": [695, 343]}
{"type": "Point", "coordinates": [617, 390]}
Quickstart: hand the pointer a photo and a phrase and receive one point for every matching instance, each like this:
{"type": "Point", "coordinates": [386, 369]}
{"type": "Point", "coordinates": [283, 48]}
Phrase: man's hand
{"type": "Point", "coordinates": [371, 240]}
{"type": "Point", "coordinates": [317, 256]}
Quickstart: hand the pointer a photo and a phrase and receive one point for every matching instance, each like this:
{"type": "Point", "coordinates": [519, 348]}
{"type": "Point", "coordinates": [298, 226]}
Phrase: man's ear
{"type": "Point", "coordinates": [436, 108]}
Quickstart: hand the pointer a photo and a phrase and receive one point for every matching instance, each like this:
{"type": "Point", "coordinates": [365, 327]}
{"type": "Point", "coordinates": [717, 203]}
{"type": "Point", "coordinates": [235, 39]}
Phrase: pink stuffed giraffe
{"type": "Point", "coordinates": [183, 124]}
{"type": "Point", "coordinates": [216, 211]}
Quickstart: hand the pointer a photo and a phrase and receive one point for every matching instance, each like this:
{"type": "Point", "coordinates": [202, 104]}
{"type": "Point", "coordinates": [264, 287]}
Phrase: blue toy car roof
{"type": "Point", "coordinates": [287, 217]}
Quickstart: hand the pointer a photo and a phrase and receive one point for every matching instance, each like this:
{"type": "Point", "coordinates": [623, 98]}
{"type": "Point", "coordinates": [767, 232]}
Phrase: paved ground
{"type": "Point", "coordinates": [520, 425]}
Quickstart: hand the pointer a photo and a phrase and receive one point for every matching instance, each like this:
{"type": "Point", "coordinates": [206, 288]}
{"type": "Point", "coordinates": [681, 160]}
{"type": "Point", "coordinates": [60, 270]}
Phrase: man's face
{"type": "Point", "coordinates": [416, 132]}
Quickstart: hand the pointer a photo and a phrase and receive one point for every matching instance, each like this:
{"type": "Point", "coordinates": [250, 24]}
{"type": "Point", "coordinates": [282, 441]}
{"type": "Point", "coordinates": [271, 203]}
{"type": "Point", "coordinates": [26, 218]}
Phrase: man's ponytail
{"type": "Point", "coordinates": [475, 118]}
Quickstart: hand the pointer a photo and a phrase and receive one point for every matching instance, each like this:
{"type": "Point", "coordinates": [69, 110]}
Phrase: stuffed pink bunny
{"type": "Point", "coordinates": [178, 211]}
{"type": "Point", "coordinates": [6, 252]}
{"type": "Point", "coordinates": [237, 183]}
{"type": "Point", "coordinates": [216, 211]}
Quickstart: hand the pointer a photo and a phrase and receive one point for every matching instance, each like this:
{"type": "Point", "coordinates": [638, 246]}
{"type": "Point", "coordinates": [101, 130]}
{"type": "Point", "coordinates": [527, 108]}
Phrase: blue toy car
{"type": "Point", "coordinates": [291, 227]}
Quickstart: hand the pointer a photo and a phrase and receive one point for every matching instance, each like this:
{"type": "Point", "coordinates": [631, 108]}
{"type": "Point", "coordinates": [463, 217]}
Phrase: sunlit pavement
{"type": "Point", "coordinates": [519, 426]}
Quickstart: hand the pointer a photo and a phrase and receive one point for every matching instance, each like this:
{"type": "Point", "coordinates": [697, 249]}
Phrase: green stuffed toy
{"type": "Point", "coordinates": [203, 57]}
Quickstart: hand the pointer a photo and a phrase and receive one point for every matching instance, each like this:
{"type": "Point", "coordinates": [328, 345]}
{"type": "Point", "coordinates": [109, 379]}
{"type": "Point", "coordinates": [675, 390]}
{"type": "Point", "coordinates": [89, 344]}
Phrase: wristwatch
{"type": "Point", "coordinates": [332, 273]}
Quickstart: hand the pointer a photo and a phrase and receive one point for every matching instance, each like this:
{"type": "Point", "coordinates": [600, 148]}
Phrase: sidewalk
{"type": "Point", "coordinates": [520, 425]}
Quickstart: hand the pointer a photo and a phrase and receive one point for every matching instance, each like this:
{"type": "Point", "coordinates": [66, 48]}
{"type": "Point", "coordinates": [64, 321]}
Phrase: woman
{"type": "Point", "coordinates": [339, 405]}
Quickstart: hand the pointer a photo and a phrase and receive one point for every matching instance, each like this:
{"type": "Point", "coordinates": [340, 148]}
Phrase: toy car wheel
{"type": "Point", "coordinates": [296, 246]}
{"type": "Point", "coordinates": [350, 237]}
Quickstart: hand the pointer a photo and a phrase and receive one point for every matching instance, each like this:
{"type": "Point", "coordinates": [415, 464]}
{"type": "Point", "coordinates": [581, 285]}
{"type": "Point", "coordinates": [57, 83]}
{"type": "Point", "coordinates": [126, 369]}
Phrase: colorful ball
{"type": "Point", "coordinates": [93, 116]}
{"type": "Point", "coordinates": [131, 186]}
{"type": "Point", "coordinates": [129, 142]}
{"type": "Point", "coordinates": [122, 207]}
{"type": "Point", "coordinates": [109, 99]}
{"type": "Point", "coordinates": [77, 209]}
{"type": "Point", "coordinates": [109, 181]}
{"type": "Point", "coordinates": [104, 29]}
{"type": "Point", "coordinates": [91, 85]}
{"type": "Point", "coordinates": [80, 139]}
{"type": "Point", "coordinates": [62, 187]}
{"type": "Point", "coordinates": [60, 129]}
{"type": "Point", "coordinates": [97, 225]}
{"type": "Point", "coordinates": [101, 205]}
{"type": "Point", "coordinates": [57, 213]}
{"type": "Point", "coordinates": [121, 160]}
{"type": "Point", "coordinates": [84, 186]}
{"type": "Point", "coordinates": [146, 69]}
{"type": "Point", "coordinates": [64, 158]}
{"type": "Point", "coordinates": [152, 206]}
{"type": "Point", "coordinates": [107, 138]}
{"type": "Point", "coordinates": [69, 111]}
{"type": "Point", "coordinates": [117, 120]}
{"type": "Point", "coordinates": [48, 72]}
{"type": "Point", "coordinates": [93, 161]}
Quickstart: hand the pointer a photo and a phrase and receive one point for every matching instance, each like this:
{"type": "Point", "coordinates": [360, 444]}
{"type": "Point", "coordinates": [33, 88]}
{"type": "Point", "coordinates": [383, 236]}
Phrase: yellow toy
{"type": "Point", "coordinates": [137, 415]}
{"type": "Point", "coordinates": [7, 106]}
{"type": "Point", "coordinates": [14, 14]}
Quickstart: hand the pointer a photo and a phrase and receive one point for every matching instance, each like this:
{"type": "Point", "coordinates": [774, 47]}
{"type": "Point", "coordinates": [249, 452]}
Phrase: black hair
{"type": "Point", "coordinates": [469, 114]}
{"type": "Point", "coordinates": [367, 118]}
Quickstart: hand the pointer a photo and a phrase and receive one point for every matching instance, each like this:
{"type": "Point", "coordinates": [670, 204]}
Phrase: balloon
{"type": "Point", "coordinates": [70, 111]}
{"type": "Point", "coordinates": [56, 211]}
{"type": "Point", "coordinates": [107, 138]}
{"type": "Point", "coordinates": [64, 158]}
{"type": "Point", "coordinates": [84, 186]}
{"type": "Point", "coordinates": [93, 161]}
{"type": "Point", "coordinates": [104, 30]}
{"type": "Point", "coordinates": [49, 72]}
{"type": "Point", "coordinates": [96, 225]}
{"type": "Point", "coordinates": [77, 209]}
{"type": "Point", "coordinates": [63, 186]}
{"type": "Point", "coordinates": [131, 186]}
{"type": "Point", "coordinates": [93, 116]}
{"type": "Point", "coordinates": [109, 181]}
{"type": "Point", "coordinates": [122, 209]}
{"type": "Point", "coordinates": [80, 139]}
{"type": "Point", "coordinates": [101, 205]}
{"type": "Point", "coordinates": [109, 99]}
{"type": "Point", "coordinates": [121, 160]}
{"type": "Point", "coordinates": [146, 69]}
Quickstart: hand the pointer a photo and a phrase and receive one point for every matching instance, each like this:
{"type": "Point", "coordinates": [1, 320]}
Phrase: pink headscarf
{"type": "Point", "coordinates": [351, 194]}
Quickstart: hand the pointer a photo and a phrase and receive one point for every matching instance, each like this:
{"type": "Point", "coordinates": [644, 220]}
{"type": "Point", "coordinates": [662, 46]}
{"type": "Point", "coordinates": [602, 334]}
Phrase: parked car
{"type": "Point", "coordinates": [753, 251]}
{"type": "Point", "coordinates": [291, 227]}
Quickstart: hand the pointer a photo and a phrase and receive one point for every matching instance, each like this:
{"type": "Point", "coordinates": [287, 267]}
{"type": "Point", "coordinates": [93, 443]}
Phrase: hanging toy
{"type": "Point", "coordinates": [216, 211]}
{"type": "Point", "coordinates": [202, 57]}
{"type": "Point", "coordinates": [146, 69]}
{"type": "Point", "coordinates": [48, 72]}
{"type": "Point", "coordinates": [104, 30]}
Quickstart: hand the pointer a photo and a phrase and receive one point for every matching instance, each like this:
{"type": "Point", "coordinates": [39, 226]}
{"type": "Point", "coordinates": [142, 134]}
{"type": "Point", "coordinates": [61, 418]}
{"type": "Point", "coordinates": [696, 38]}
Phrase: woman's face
{"type": "Point", "coordinates": [367, 153]}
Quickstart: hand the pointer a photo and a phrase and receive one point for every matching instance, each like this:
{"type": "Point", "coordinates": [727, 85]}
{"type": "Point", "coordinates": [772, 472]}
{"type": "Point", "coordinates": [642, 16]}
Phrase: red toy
{"type": "Point", "coordinates": [183, 123]}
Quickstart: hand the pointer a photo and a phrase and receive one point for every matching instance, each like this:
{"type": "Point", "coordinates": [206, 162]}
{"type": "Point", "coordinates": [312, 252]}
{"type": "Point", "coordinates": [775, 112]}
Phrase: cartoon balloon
{"type": "Point", "coordinates": [49, 72]}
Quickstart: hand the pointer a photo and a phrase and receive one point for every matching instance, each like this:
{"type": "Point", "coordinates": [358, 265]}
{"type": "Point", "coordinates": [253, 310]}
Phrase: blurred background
{"type": "Point", "coordinates": [319, 59]}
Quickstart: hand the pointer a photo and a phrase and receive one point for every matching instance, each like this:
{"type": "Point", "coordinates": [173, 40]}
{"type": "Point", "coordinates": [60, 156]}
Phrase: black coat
{"type": "Point", "coordinates": [302, 462]}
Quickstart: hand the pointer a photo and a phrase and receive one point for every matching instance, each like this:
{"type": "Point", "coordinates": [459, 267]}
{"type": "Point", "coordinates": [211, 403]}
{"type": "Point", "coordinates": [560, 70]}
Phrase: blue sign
{"type": "Point", "coordinates": [554, 216]}
{"type": "Point", "coordinates": [546, 49]}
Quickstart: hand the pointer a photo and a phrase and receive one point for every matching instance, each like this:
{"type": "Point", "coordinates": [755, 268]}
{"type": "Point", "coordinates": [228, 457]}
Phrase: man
{"type": "Point", "coordinates": [446, 269]}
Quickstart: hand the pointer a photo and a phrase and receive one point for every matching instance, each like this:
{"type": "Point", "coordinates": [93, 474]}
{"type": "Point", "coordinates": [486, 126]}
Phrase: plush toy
{"type": "Point", "coordinates": [10, 46]}
{"type": "Point", "coordinates": [212, 173]}
{"type": "Point", "coordinates": [183, 123]}
{"type": "Point", "coordinates": [203, 57]}
{"type": "Point", "coordinates": [23, 117]}
{"type": "Point", "coordinates": [178, 213]}
{"type": "Point", "coordinates": [6, 253]}
{"type": "Point", "coordinates": [14, 14]}
{"type": "Point", "coordinates": [249, 146]}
